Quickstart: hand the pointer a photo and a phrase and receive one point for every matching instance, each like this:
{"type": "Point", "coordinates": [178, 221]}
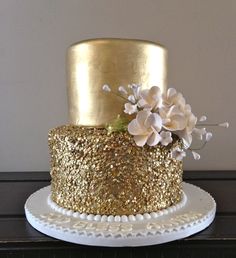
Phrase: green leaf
{"type": "Point", "coordinates": [119, 124]}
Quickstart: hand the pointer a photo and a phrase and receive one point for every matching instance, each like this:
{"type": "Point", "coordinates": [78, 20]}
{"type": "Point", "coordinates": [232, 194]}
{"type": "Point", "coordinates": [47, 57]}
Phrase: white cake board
{"type": "Point", "coordinates": [196, 215]}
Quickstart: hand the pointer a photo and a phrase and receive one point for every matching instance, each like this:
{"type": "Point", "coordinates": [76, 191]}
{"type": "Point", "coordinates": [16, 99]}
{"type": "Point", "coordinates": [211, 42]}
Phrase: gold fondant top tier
{"type": "Point", "coordinates": [115, 62]}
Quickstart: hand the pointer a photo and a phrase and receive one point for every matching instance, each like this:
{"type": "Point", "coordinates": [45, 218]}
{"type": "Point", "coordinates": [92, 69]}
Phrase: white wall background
{"type": "Point", "coordinates": [34, 35]}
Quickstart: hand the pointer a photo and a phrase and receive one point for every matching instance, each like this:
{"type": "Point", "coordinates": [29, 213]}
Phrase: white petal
{"type": "Point", "coordinates": [192, 120]}
{"type": "Point", "coordinates": [136, 91]}
{"type": "Point", "coordinates": [177, 153]}
{"type": "Point", "coordinates": [176, 123]}
{"type": "Point", "coordinates": [179, 100]}
{"type": "Point", "coordinates": [155, 92]}
{"type": "Point", "coordinates": [140, 140]}
{"type": "Point", "coordinates": [163, 112]}
{"type": "Point", "coordinates": [166, 120]}
{"type": "Point", "coordinates": [163, 134]}
{"type": "Point", "coordinates": [187, 108]}
{"type": "Point", "coordinates": [106, 87]}
{"type": "Point", "coordinates": [130, 109]}
{"type": "Point", "coordinates": [142, 116]}
{"type": "Point", "coordinates": [154, 139]}
{"type": "Point", "coordinates": [131, 98]}
{"type": "Point", "coordinates": [202, 118]}
{"type": "Point", "coordinates": [154, 120]}
{"type": "Point", "coordinates": [158, 122]}
{"type": "Point", "coordinates": [144, 93]}
{"type": "Point", "coordinates": [179, 121]}
{"type": "Point", "coordinates": [171, 92]}
{"type": "Point", "coordinates": [142, 103]}
{"type": "Point", "coordinates": [165, 138]}
{"type": "Point", "coordinates": [196, 156]}
{"type": "Point", "coordinates": [150, 121]}
{"type": "Point", "coordinates": [166, 141]}
{"type": "Point", "coordinates": [186, 137]}
{"type": "Point", "coordinates": [226, 124]}
{"type": "Point", "coordinates": [174, 110]}
{"type": "Point", "coordinates": [208, 136]}
{"type": "Point", "coordinates": [134, 128]}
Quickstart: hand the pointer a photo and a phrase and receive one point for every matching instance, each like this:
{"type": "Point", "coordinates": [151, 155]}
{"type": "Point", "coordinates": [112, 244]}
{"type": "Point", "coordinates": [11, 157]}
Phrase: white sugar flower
{"type": "Point", "coordinates": [191, 119]}
{"type": "Point", "coordinates": [130, 108]}
{"type": "Point", "coordinates": [196, 156]}
{"type": "Point", "coordinates": [145, 128]}
{"type": "Point", "coordinates": [177, 116]}
{"type": "Point", "coordinates": [160, 115]}
{"type": "Point", "coordinates": [208, 136]}
{"type": "Point", "coordinates": [186, 134]}
{"type": "Point", "coordinates": [122, 90]}
{"type": "Point", "coordinates": [165, 138]}
{"type": "Point", "coordinates": [173, 98]}
{"type": "Point", "coordinates": [173, 119]}
{"type": "Point", "coordinates": [150, 98]}
{"type": "Point", "coordinates": [177, 153]}
{"type": "Point", "coordinates": [199, 132]}
{"type": "Point", "coordinates": [106, 87]}
{"type": "Point", "coordinates": [191, 122]}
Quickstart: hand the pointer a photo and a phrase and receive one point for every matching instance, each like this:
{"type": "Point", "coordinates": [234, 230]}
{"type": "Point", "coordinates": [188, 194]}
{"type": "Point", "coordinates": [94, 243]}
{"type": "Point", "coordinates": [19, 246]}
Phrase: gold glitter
{"type": "Point", "coordinates": [100, 173]}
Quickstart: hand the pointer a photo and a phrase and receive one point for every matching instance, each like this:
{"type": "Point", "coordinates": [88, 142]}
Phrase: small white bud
{"type": "Point", "coordinates": [122, 90]}
{"type": "Point", "coordinates": [225, 125]}
{"type": "Point", "coordinates": [196, 156]}
{"type": "Point", "coordinates": [130, 109]}
{"type": "Point", "coordinates": [208, 136]}
{"type": "Point", "coordinates": [106, 87]}
{"type": "Point", "coordinates": [131, 98]}
{"type": "Point", "coordinates": [178, 153]}
{"type": "Point", "coordinates": [202, 118]}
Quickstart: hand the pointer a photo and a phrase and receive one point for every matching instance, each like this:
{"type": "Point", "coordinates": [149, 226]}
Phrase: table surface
{"type": "Point", "coordinates": [19, 239]}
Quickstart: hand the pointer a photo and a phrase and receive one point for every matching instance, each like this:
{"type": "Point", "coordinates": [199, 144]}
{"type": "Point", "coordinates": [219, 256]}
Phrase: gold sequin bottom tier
{"type": "Point", "coordinates": [100, 173]}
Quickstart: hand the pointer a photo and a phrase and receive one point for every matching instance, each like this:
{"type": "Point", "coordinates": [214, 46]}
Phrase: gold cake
{"type": "Point", "coordinates": [104, 172]}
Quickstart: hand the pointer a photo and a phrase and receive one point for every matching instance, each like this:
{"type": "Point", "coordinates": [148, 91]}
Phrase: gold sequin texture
{"type": "Point", "coordinates": [108, 174]}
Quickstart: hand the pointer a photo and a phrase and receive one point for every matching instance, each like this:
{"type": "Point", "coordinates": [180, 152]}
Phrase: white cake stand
{"type": "Point", "coordinates": [197, 213]}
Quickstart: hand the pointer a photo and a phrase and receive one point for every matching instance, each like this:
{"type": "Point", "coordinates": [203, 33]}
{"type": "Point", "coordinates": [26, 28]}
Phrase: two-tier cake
{"type": "Point", "coordinates": [116, 167]}
{"type": "Point", "coordinates": [99, 171]}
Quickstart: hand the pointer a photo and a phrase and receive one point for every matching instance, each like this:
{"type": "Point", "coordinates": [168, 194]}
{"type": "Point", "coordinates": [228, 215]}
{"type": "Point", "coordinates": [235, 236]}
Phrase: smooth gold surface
{"type": "Point", "coordinates": [100, 173]}
{"type": "Point", "coordinates": [116, 62]}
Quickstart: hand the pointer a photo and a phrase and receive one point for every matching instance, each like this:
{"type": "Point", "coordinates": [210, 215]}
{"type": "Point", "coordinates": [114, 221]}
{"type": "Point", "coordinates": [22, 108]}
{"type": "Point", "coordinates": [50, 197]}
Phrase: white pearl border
{"type": "Point", "coordinates": [117, 218]}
